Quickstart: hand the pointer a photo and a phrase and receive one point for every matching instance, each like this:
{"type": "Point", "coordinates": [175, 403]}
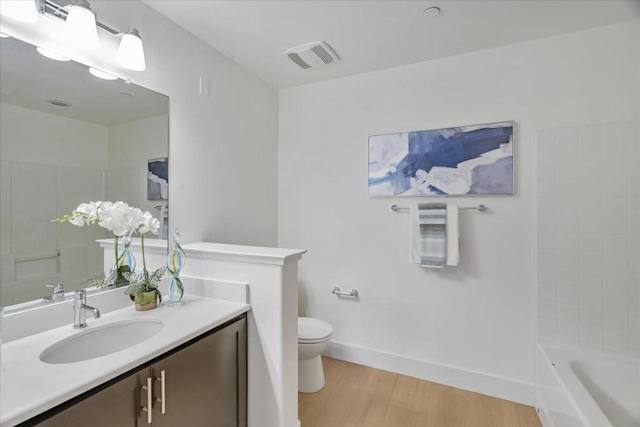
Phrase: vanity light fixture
{"type": "Point", "coordinates": [4, 36]}
{"type": "Point", "coordinates": [131, 51]}
{"type": "Point", "coordinates": [20, 10]}
{"type": "Point", "coordinates": [101, 74]}
{"type": "Point", "coordinates": [51, 55]}
{"type": "Point", "coordinates": [81, 25]}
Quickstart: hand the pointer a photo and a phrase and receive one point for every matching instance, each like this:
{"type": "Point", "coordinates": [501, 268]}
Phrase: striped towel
{"type": "Point", "coordinates": [432, 221]}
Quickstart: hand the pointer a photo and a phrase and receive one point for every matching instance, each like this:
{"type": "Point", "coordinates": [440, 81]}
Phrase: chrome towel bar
{"type": "Point", "coordinates": [353, 293]}
{"type": "Point", "coordinates": [479, 208]}
{"type": "Point", "coordinates": [37, 257]}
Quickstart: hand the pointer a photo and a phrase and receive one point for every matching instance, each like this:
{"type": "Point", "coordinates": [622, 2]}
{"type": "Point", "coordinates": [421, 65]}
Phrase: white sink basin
{"type": "Point", "coordinates": [101, 341]}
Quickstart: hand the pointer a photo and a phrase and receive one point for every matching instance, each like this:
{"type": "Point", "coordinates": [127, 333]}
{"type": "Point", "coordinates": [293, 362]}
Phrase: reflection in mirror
{"type": "Point", "coordinates": [67, 137]}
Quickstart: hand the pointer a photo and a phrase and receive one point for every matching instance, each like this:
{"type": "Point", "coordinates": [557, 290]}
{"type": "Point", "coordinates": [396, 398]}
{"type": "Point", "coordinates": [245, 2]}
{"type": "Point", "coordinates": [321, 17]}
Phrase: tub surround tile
{"type": "Point", "coordinates": [547, 276]}
{"type": "Point", "coordinates": [591, 242]}
{"type": "Point", "coordinates": [548, 224]}
{"type": "Point", "coordinates": [588, 211]}
{"type": "Point", "coordinates": [569, 313]}
{"type": "Point", "coordinates": [591, 261]}
{"type": "Point", "coordinates": [548, 310]}
{"type": "Point", "coordinates": [547, 328]}
{"type": "Point", "coordinates": [547, 241]}
{"type": "Point", "coordinates": [569, 277]}
{"type": "Point", "coordinates": [568, 242]}
{"type": "Point", "coordinates": [616, 318]}
{"type": "Point", "coordinates": [592, 347]}
{"type": "Point", "coordinates": [617, 338]}
{"type": "Point", "coordinates": [547, 293]}
{"type": "Point", "coordinates": [634, 339]}
{"type": "Point", "coordinates": [569, 333]}
{"type": "Point", "coordinates": [569, 261]}
{"type": "Point", "coordinates": [615, 243]}
{"type": "Point", "coordinates": [591, 279]}
{"type": "Point", "coordinates": [592, 335]}
{"type": "Point", "coordinates": [569, 295]}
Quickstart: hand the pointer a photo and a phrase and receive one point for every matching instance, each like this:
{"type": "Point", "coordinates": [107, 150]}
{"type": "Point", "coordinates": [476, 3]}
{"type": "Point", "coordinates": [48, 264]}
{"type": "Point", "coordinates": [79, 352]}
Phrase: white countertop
{"type": "Point", "coordinates": [29, 387]}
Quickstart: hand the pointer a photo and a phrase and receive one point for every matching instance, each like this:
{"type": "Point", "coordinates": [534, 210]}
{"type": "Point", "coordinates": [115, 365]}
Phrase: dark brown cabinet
{"type": "Point", "coordinates": [199, 384]}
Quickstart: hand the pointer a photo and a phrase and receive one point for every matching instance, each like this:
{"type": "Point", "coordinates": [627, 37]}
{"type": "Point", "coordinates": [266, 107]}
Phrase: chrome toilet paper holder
{"type": "Point", "coordinates": [336, 290]}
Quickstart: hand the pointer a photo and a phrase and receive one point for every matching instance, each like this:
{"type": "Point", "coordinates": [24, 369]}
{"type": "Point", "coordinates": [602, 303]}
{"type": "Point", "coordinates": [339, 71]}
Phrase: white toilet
{"type": "Point", "coordinates": [314, 336]}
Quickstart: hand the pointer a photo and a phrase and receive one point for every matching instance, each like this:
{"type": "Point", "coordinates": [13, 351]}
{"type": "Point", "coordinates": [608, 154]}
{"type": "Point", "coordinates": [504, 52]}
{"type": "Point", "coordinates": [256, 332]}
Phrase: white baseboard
{"type": "Point", "coordinates": [478, 382]}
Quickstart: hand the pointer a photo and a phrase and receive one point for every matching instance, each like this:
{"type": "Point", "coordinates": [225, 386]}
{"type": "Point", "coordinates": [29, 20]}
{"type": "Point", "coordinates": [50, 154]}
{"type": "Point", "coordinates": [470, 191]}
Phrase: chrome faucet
{"type": "Point", "coordinates": [80, 309]}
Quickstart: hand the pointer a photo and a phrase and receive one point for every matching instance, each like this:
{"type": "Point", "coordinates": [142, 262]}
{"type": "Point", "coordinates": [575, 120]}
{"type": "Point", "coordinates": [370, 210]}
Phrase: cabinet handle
{"type": "Point", "coordinates": [147, 409]}
{"type": "Point", "coordinates": [162, 394]}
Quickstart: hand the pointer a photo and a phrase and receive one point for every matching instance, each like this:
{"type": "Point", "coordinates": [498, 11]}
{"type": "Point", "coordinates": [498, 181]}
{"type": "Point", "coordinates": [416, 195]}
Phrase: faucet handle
{"type": "Point", "coordinates": [58, 292]}
{"type": "Point", "coordinates": [57, 289]}
{"type": "Point", "coordinates": [80, 295]}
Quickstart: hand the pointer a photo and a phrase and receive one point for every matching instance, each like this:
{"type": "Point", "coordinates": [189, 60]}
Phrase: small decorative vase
{"type": "Point", "coordinates": [175, 261]}
{"type": "Point", "coordinates": [146, 300]}
{"type": "Point", "coordinates": [126, 262]}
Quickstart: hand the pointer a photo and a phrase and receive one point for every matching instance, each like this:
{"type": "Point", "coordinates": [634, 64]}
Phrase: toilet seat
{"type": "Point", "coordinates": [311, 331]}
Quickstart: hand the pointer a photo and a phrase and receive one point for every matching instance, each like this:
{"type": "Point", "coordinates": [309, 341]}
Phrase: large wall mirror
{"type": "Point", "coordinates": [67, 137]}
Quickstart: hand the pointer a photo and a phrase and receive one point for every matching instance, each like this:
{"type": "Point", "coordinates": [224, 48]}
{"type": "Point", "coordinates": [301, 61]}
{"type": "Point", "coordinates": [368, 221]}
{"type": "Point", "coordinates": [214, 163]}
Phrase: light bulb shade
{"type": "Point", "coordinates": [20, 10]}
{"type": "Point", "coordinates": [51, 55]}
{"type": "Point", "coordinates": [81, 26]}
{"type": "Point", "coordinates": [131, 51]}
{"type": "Point", "coordinates": [102, 74]}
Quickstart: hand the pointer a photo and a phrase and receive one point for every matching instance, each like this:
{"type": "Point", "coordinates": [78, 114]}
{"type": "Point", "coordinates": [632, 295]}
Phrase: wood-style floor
{"type": "Point", "coordinates": [356, 395]}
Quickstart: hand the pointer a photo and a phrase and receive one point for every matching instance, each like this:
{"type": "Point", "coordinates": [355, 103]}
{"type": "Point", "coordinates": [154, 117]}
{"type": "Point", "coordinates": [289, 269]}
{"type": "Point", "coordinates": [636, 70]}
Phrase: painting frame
{"type": "Point", "coordinates": [158, 179]}
{"type": "Point", "coordinates": [469, 160]}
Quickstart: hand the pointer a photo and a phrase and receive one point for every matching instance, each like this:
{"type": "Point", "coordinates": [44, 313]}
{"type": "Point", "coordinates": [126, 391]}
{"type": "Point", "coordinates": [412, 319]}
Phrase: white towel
{"type": "Point", "coordinates": [453, 236]}
{"type": "Point", "coordinates": [414, 236]}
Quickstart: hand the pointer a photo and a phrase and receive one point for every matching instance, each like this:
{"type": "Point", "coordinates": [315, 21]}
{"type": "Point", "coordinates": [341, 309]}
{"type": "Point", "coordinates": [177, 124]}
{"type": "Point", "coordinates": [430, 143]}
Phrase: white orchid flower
{"type": "Point", "coordinates": [118, 217]}
{"type": "Point", "coordinates": [85, 213]}
{"type": "Point", "coordinates": [148, 223]}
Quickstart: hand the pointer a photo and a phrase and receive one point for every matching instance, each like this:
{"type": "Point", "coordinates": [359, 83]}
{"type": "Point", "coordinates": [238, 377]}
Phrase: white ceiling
{"type": "Point", "coordinates": [377, 34]}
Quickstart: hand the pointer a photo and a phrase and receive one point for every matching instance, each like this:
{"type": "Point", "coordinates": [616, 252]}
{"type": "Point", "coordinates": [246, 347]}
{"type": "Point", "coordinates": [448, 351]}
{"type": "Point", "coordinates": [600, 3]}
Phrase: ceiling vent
{"type": "Point", "coordinates": [312, 54]}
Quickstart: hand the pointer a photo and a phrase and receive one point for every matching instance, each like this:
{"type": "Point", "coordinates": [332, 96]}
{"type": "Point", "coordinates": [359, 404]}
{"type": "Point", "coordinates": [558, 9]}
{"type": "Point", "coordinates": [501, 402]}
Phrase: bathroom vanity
{"type": "Point", "coordinates": [223, 282]}
{"type": "Point", "coordinates": [197, 358]}
{"type": "Point", "coordinates": [202, 382]}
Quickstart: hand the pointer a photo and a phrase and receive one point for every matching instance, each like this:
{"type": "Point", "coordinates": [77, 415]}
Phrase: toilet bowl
{"type": "Point", "coordinates": [314, 336]}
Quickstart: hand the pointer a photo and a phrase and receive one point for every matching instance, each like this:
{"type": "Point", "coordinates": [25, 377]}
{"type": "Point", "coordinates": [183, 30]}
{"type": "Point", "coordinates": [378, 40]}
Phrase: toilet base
{"type": "Point", "coordinates": [310, 375]}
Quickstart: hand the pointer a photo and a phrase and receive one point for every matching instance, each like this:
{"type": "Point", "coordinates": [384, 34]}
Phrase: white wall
{"type": "Point", "coordinates": [478, 318]}
{"type": "Point", "coordinates": [223, 149]}
{"type": "Point", "coordinates": [31, 136]}
{"type": "Point", "coordinates": [131, 145]}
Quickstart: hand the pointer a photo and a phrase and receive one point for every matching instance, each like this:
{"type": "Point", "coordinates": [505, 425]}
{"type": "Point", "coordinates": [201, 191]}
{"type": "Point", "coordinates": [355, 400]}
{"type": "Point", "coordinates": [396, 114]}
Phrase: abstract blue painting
{"type": "Point", "coordinates": [456, 161]}
{"type": "Point", "coordinates": [158, 179]}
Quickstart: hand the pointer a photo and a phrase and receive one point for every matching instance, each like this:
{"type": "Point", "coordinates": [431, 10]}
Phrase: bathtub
{"type": "Point", "coordinates": [580, 389]}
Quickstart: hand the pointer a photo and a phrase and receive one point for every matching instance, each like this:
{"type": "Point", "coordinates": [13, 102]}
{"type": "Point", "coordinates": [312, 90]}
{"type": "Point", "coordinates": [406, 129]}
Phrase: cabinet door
{"type": "Point", "coordinates": [204, 383]}
{"type": "Point", "coordinates": [114, 405]}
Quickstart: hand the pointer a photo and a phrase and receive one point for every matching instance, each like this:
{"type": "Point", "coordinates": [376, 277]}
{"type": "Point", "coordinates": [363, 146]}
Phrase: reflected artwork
{"type": "Point", "coordinates": [158, 179]}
